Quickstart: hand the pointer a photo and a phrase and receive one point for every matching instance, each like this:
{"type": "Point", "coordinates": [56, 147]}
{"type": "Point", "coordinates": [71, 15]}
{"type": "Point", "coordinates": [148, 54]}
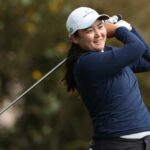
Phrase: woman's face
{"type": "Point", "coordinates": [92, 38]}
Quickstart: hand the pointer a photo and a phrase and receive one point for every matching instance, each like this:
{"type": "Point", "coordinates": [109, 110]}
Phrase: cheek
{"type": "Point", "coordinates": [86, 43]}
{"type": "Point", "coordinates": [104, 32]}
{"type": "Point", "coordinates": [87, 39]}
{"type": "Point", "coordinates": [90, 38]}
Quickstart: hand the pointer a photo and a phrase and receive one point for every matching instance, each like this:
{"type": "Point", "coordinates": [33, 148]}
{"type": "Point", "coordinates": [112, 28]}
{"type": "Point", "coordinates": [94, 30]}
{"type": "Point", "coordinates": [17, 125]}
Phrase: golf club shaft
{"type": "Point", "coordinates": [30, 88]}
{"type": "Point", "coordinates": [35, 84]}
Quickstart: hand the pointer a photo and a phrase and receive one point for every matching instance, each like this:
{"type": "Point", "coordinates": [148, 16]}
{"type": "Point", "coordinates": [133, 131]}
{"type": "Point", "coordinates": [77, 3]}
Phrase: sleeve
{"type": "Point", "coordinates": [146, 54]}
{"type": "Point", "coordinates": [106, 64]}
{"type": "Point", "coordinates": [141, 65]}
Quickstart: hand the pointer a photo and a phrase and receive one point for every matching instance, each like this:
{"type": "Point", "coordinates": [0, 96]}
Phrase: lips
{"type": "Point", "coordinates": [97, 42]}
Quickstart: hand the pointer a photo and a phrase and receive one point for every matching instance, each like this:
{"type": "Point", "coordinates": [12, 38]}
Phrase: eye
{"type": "Point", "coordinates": [100, 26]}
{"type": "Point", "coordinates": [89, 30]}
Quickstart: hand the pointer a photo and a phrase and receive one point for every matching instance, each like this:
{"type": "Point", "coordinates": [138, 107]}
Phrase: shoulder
{"type": "Point", "coordinates": [93, 56]}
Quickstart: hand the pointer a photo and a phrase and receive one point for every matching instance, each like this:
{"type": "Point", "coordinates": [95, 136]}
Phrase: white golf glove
{"type": "Point", "coordinates": [113, 19]}
{"type": "Point", "coordinates": [125, 24]}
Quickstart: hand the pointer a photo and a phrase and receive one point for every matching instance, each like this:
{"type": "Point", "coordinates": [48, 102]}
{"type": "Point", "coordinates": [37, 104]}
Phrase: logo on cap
{"type": "Point", "coordinates": [70, 30]}
{"type": "Point", "coordinates": [87, 12]}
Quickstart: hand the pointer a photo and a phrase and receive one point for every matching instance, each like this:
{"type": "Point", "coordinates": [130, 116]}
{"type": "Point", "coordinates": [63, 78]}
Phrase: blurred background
{"type": "Point", "coordinates": [33, 39]}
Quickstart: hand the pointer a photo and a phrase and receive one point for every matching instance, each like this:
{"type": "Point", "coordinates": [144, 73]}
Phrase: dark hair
{"type": "Point", "coordinates": [73, 53]}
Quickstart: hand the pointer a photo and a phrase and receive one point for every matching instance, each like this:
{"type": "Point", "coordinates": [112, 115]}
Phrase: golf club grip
{"type": "Point", "coordinates": [119, 17]}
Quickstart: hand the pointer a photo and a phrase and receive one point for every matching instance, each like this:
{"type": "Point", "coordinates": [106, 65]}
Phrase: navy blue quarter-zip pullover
{"type": "Point", "coordinates": [109, 87]}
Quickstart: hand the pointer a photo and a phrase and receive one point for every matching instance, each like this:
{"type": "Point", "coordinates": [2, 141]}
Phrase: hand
{"type": "Point", "coordinates": [125, 24]}
{"type": "Point", "coordinates": [114, 19]}
{"type": "Point", "coordinates": [111, 29]}
{"type": "Point", "coordinates": [112, 24]}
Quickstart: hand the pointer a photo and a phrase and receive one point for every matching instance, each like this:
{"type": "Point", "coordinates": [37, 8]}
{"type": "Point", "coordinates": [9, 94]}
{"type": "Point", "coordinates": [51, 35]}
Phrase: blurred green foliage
{"type": "Point", "coordinates": [33, 39]}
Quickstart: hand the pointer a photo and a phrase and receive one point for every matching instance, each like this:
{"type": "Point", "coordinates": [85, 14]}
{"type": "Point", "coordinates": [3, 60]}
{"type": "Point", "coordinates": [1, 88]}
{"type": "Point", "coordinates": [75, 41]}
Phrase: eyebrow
{"type": "Point", "coordinates": [91, 26]}
{"type": "Point", "coordinates": [100, 22]}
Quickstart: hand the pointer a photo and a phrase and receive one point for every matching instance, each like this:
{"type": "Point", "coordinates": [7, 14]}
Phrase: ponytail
{"type": "Point", "coordinates": [74, 52]}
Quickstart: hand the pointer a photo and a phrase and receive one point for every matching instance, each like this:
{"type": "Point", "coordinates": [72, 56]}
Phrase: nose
{"type": "Point", "coordinates": [97, 33]}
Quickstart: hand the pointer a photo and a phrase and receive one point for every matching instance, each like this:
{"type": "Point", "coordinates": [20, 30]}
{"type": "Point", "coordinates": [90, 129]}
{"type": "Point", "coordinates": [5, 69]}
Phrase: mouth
{"type": "Point", "coordinates": [97, 42]}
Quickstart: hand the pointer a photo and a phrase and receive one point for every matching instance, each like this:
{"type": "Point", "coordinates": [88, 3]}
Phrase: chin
{"type": "Point", "coordinates": [100, 48]}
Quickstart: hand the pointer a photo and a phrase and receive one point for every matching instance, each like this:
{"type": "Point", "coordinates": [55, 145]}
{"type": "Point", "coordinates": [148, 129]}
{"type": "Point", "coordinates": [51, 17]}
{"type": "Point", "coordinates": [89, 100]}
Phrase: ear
{"type": "Point", "coordinates": [73, 39]}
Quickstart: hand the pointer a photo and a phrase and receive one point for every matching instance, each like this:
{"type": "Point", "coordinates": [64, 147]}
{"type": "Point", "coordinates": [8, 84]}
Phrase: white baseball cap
{"type": "Point", "coordinates": [82, 18]}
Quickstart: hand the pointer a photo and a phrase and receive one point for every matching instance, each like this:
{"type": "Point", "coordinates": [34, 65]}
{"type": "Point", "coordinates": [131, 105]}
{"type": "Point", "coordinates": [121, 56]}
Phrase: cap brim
{"type": "Point", "coordinates": [92, 20]}
{"type": "Point", "coordinates": [103, 17]}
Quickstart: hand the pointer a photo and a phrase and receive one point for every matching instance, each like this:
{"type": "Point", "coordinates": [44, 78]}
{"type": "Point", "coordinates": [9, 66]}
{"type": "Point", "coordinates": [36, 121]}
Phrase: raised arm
{"type": "Point", "coordinates": [110, 62]}
{"type": "Point", "coordinates": [143, 63]}
{"type": "Point", "coordinates": [146, 54]}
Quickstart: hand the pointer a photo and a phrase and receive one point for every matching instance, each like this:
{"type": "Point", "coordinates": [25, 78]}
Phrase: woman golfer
{"type": "Point", "coordinates": [104, 77]}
